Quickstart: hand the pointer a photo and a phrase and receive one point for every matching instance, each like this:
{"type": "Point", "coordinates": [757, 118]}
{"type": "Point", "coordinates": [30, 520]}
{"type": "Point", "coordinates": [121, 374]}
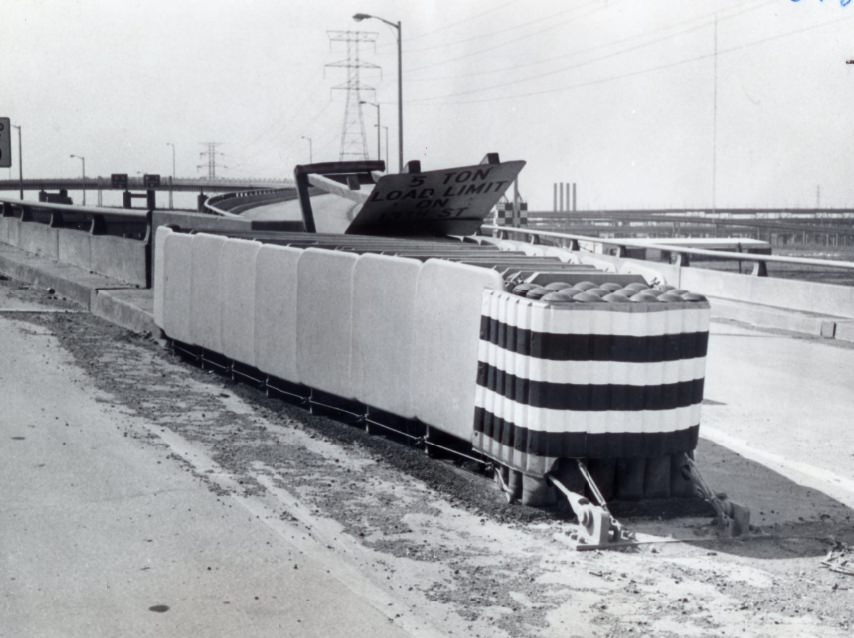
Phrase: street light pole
{"type": "Point", "coordinates": [399, 26]}
{"type": "Point", "coordinates": [20, 163]}
{"type": "Point", "coordinates": [83, 160]}
{"type": "Point", "coordinates": [171, 184]}
{"type": "Point", "coordinates": [310, 153]}
{"type": "Point", "coordinates": [384, 128]}
{"type": "Point", "coordinates": [379, 123]}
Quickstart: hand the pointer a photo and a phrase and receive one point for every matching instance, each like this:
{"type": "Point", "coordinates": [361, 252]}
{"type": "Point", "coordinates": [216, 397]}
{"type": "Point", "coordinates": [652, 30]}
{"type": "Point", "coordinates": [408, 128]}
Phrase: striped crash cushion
{"type": "Point", "coordinates": [587, 380]}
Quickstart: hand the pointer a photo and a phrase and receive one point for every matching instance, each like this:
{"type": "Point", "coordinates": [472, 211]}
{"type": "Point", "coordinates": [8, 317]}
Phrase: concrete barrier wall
{"type": "Point", "coordinates": [116, 257]}
{"type": "Point", "coordinates": [237, 290]}
{"type": "Point", "coordinates": [75, 248]}
{"type": "Point", "coordinates": [447, 325]}
{"type": "Point", "coordinates": [205, 296]}
{"type": "Point", "coordinates": [39, 239]}
{"type": "Point", "coordinates": [276, 311]}
{"type": "Point", "coordinates": [324, 320]}
{"type": "Point", "coordinates": [177, 286]}
{"type": "Point", "coordinates": [383, 333]}
{"type": "Point", "coordinates": [784, 293]}
{"type": "Point", "coordinates": [9, 230]}
{"type": "Point", "coordinates": [790, 294]}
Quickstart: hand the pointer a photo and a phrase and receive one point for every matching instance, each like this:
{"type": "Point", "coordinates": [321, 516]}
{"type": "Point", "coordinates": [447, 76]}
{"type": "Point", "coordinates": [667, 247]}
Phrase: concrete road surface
{"type": "Point", "coordinates": [102, 536]}
{"type": "Point", "coordinates": [332, 214]}
{"type": "Point", "coordinates": [786, 402]}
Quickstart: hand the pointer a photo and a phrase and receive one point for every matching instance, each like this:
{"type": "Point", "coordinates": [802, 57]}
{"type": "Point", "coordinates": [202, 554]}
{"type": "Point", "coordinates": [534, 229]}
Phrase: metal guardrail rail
{"type": "Point", "coordinates": [187, 184]}
{"type": "Point", "coordinates": [681, 253]}
{"type": "Point", "coordinates": [97, 220]}
{"type": "Point", "coordinates": [116, 243]}
{"type": "Point", "coordinates": [226, 203]}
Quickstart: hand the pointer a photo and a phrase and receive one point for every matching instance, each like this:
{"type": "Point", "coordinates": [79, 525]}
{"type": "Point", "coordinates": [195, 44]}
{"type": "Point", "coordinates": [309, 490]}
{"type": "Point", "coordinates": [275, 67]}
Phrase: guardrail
{"type": "Point", "coordinates": [115, 243]}
{"type": "Point", "coordinates": [682, 255]}
{"type": "Point", "coordinates": [186, 184]}
{"type": "Point", "coordinates": [97, 220]}
{"type": "Point", "coordinates": [225, 203]}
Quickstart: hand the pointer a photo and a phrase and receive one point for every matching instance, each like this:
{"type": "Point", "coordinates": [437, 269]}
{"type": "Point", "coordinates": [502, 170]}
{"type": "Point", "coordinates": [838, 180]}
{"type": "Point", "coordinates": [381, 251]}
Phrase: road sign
{"type": "Point", "coordinates": [150, 181]}
{"type": "Point", "coordinates": [119, 180]}
{"type": "Point", "coordinates": [5, 142]}
{"type": "Point", "coordinates": [453, 201]}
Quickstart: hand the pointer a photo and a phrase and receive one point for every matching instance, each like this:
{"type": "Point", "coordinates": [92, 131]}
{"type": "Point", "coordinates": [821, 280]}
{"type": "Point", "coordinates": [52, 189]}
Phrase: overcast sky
{"type": "Point", "coordinates": [616, 95]}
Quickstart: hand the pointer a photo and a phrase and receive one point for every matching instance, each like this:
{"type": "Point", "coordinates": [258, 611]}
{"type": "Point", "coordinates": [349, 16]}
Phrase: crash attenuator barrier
{"type": "Point", "coordinates": [531, 361]}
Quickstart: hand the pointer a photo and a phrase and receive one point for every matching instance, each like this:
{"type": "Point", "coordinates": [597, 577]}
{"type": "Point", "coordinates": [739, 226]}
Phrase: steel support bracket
{"type": "Point", "coordinates": [731, 518]}
{"type": "Point", "coordinates": [597, 529]}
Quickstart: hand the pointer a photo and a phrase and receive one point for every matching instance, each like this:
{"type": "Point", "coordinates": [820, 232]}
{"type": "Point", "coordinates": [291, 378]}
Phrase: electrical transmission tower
{"type": "Point", "coordinates": [211, 154]}
{"type": "Point", "coordinates": [354, 144]}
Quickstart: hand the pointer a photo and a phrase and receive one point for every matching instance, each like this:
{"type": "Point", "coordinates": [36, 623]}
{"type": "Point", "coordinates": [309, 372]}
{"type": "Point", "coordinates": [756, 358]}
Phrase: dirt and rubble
{"type": "Point", "coordinates": [443, 540]}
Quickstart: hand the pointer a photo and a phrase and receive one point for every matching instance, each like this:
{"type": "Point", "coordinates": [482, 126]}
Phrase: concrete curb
{"type": "Point", "coordinates": [813, 324]}
{"type": "Point", "coordinates": [131, 308]}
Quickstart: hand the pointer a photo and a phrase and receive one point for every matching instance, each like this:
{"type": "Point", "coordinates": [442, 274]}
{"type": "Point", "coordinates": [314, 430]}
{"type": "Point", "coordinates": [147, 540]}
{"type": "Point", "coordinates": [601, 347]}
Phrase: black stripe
{"type": "Point", "coordinates": [583, 444]}
{"type": "Point", "coordinates": [590, 397]}
{"type": "Point", "coordinates": [589, 347]}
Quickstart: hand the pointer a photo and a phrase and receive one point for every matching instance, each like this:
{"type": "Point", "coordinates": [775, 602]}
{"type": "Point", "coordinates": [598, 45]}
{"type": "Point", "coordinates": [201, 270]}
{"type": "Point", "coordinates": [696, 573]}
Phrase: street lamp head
{"type": "Point", "coordinates": [362, 16]}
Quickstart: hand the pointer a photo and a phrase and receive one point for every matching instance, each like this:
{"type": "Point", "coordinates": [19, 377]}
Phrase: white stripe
{"type": "Point", "coordinates": [590, 422]}
{"type": "Point", "coordinates": [628, 320]}
{"type": "Point", "coordinates": [593, 372]}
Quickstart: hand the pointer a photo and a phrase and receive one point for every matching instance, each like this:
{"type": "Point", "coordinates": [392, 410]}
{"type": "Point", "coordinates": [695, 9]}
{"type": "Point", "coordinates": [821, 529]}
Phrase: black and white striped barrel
{"type": "Point", "coordinates": [588, 380]}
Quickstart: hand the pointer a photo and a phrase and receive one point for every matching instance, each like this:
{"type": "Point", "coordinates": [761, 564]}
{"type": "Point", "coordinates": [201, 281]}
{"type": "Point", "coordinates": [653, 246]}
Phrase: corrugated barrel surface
{"type": "Point", "coordinates": [583, 374]}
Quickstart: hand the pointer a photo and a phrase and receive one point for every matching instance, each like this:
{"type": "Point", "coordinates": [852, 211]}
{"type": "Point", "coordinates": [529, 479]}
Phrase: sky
{"type": "Point", "coordinates": [641, 103]}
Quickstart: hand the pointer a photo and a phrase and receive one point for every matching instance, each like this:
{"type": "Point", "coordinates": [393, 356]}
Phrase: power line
{"type": "Point", "coordinates": [570, 67]}
{"type": "Point", "coordinates": [505, 43]}
{"type": "Point", "coordinates": [519, 65]}
{"type": "Point", "coordinates": [286, 116]}
{"type": "Point", "coordinates": [491, 34]}
{"type": "Point", "coordinates": [660, 67]}
{"type": "Point", "coordinates": [459, 22]}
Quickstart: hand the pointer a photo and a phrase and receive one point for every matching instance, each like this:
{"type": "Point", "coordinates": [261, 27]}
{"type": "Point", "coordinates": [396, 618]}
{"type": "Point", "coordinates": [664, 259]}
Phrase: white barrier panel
{"type": "Point", "coordinates": [205, 295]}
{"type": "Point", "coordinates": [237, 292]}
{"type": "Point", "coordinates": [177, 286]}
{"type": "Point", "coordinates": [383, 332]}
{"type": "Point", "coordinates": [324, 320]}
{"type": "Point", "coordinates": [158, 279]}
{"type": "Point", "coordinates": [447, 325]}
{"type": "Point", "coordinates": [276, 311]}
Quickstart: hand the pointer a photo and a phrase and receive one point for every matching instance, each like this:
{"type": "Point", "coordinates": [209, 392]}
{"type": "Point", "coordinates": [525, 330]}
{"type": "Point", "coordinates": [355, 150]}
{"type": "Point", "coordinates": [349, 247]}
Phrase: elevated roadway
{"type": "Point", "coordinates": [188, 184]}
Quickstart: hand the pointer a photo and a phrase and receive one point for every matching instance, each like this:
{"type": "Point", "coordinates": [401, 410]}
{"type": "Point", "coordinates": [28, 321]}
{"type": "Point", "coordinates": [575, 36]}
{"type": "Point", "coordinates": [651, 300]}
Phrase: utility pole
{"type": "Point", "coordinates": [715, 128]}
{"type": "Point", "coordinates": [211, 154]}
{"type": "Point", "coordinates": [353, 140]}
{"type": "Point", "coordinates": [310, 151]}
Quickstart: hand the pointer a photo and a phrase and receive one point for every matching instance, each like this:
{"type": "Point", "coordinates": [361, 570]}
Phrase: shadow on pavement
{"type": "Point", "coordinates": [788, 520]}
